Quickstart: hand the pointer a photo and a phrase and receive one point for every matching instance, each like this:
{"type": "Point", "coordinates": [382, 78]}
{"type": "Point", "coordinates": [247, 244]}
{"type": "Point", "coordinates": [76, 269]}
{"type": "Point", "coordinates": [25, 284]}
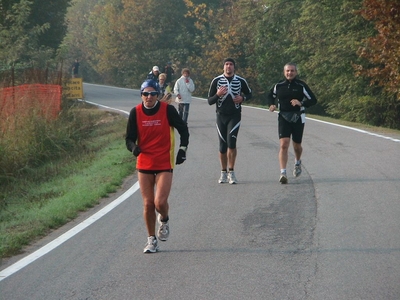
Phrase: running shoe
{"type": "Point", "coordinates": [232, 177]}
{"type": "Point", "coordinates": [297, 169]}
{"type": "Point", "coordinates": [151, 246]}
{"type": "Point", "coordinates": [283, 178]}
{"type": "Point", "coordinates": [223, 178]}
{"type": "Point", "coordinates": [163, 230]}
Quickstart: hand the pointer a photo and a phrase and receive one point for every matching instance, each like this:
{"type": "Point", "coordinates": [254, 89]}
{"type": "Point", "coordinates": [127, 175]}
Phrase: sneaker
{"type": "Point", "coordinates": [232, 178]}
{"type": "Point", "coordinates": [223, 178]}
{"type": "Point", "coordinates": [163, 230]}
{"type": "Point", "coordinates": [297, 169]}
{"type": "Point", "coordinates": [283, 178]}
{"type": "Point", "coordinates": [151, 246]}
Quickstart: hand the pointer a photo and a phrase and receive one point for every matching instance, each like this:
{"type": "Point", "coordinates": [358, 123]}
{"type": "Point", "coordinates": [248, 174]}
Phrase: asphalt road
{"type": "Point", "coordinates": [332, 233]}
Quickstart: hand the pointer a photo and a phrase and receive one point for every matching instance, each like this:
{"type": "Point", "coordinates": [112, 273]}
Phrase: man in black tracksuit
{"type": "Point", "coordinates": [228, 91]}
{"type": "Point", "coordinates": [293, 96]}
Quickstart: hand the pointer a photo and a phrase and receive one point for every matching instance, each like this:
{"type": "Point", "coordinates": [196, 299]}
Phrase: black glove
{"type": "Point", "coordinates": [136, 150]}
{"type": "Point", "coordinates": [181, 156]}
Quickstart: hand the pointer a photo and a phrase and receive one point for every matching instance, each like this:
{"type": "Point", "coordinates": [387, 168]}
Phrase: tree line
{"type": "Point", "coordinates": [346, 50]}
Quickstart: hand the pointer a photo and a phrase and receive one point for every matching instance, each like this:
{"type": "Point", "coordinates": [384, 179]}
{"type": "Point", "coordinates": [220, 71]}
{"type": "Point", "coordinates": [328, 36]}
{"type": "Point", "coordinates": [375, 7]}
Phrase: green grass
{"type": "Point", "coordinates": [49, 196]}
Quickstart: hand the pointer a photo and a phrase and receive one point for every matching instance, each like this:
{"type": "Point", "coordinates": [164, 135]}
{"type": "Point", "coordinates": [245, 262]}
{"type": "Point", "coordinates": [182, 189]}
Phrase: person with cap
{"type": "Point", "coordinates": [228, 91]}
{"type": "Point", "coordinates": [155, 71]}
{"type": "Point", "coordinates": [183, 89]}
{"type": "Point", "coordinates": [150, 137]}
{"type": "Point", "coordinates": [293, 96]}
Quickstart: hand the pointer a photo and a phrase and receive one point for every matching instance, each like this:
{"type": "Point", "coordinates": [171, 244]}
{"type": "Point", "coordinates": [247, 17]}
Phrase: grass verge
{"type": "Point", "coordinates": [51, 195]}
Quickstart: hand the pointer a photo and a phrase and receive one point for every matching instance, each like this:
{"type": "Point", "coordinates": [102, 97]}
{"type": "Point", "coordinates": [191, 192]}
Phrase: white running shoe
{"type": "Point", "coordinates": [151, 246]}
{"type": "Point", "coordinates": [283, 178]}
{"type": "Point", "coordinates": [223, 178]}
{"type": "Point", "coordinates": [163, 230]}
{"type": "Point", "coordinates": [232, 177]}
{"type": "Point", "coordinates": [297, 169]}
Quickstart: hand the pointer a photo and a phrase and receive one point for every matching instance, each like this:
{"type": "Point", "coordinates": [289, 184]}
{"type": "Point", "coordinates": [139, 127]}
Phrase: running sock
{"type": "Point", "coordinates": [165, 220]}
{"type": "Point", "coordinates": [230, 169]}
{"type": "Point", "coordinates": [297, 162]}
{"type": "Point", "coordinates": [283, 171]}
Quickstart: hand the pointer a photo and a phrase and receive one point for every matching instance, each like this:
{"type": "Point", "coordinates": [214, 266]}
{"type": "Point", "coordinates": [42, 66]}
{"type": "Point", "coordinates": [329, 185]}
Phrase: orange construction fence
{"type": "Point", "coordinates": [44, 97]}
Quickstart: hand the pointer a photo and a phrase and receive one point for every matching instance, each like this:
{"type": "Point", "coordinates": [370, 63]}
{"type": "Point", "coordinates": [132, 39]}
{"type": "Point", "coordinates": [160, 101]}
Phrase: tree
{"type": "Point", "coordinates": [325, 49]}
{"type": "Point", "coordinates": [17, 43]}
{"type": "Point", "coordinates": [30, 34]}
{"type": "Point", "coordinates": [274, 30]}
{"type": "Point", "coordinates": [224, 31]}
{"type": "Point", "coordinates": [52, 13]}
{"type": "Point", "coordinates": [80, 41]}
{"type": "Point", "coordinates": [126, 38]}
{"type": "Point", "coordinates": [382, 50]}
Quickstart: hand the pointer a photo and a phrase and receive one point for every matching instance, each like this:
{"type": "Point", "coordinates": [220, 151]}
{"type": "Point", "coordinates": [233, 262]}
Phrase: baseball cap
{"type": "Point", "coordinates": [155, 68]}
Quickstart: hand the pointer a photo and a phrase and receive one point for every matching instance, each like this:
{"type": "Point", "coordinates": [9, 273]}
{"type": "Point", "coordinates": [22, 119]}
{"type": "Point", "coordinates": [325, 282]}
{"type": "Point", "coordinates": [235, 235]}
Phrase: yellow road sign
{"type": "Point", "coordinates": [74, 89]}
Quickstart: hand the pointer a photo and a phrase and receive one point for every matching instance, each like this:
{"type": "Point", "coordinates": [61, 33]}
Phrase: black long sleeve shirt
{"type": "Point", "coordinates": [286, 90]}
{"type": "Point", "coordinates": [236, 86]}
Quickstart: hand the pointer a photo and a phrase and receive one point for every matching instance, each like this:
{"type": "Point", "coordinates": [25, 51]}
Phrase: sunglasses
{"type": "Point", "coordinates": [149, 93]}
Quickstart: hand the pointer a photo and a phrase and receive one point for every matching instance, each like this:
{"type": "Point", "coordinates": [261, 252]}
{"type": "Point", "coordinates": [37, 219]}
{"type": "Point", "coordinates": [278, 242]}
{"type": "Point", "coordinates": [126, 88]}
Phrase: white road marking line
{"type": "Point", "coordinates": [104, 106]}
{"type": "Point", "coordinates": [69, 234]}
{"type": "Point", "coordinates": [358, 130]}
{"type": "Point", "coordinates": [342, 126]}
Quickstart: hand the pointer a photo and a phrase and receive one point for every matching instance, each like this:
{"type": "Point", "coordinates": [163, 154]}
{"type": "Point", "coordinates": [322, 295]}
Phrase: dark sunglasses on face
{"type": "Point", "coordinates": [150, 93]}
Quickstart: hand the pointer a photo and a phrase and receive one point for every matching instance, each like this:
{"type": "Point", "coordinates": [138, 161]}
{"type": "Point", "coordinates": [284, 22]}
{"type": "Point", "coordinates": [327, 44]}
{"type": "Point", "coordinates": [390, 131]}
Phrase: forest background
{"type": "Point", "coordinates": [348, 51]}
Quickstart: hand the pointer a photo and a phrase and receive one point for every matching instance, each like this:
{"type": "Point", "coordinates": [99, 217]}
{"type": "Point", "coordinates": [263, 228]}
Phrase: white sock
{"type": "Point", "coordinates": [283, 171]}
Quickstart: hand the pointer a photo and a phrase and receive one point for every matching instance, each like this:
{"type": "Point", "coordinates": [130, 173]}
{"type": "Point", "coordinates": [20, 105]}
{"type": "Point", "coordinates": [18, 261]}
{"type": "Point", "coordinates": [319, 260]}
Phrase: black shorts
{"type": "Point", "coordinates": [155, 172]}
{"type": "Point", "coordinates": [287, 129]}
{"type": "Point", "coordinates": [228, 130]}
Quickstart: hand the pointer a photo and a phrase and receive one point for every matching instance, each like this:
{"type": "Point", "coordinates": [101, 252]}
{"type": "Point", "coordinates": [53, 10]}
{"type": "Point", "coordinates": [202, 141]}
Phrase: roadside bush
{"type": "Point", "coordinates": [76, 160]}
{"type": "Point", "coordinates": [27, 140]}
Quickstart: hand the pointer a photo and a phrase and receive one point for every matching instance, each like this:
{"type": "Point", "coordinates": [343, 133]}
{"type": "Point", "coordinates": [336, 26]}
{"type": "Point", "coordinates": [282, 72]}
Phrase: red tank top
{"type": "Point", "coordinates": [155, 139]}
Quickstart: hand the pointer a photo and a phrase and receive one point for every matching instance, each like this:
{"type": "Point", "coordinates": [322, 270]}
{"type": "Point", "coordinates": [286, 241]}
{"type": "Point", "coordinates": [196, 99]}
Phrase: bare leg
{"type": "Point", "coordinates": [283, 152]}
{"type": "Point", "coordinates": [223, 157]}
{"type": "Point", "coordinates": [298, 150]}
{"type": "Point", "coordinates": [163, 188]}
{"type": "Point", "coordinates": [154, 201]}
{"type": "Point", "coordinates": [147, 183]}
{"type": "Point", "coordinates": [232, 158]}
